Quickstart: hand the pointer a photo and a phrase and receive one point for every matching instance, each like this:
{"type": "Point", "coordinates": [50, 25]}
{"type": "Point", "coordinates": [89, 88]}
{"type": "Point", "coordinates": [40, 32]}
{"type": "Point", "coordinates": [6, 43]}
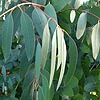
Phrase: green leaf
{"type": "Point", "coordinates": [7, 36]}
{"type": "Point", "coordinates": [73, 56]}
{"type": "Point", "coordinates": [16, 17]}
{"type": "Point", "coordinates": [67, 91]}
{"type": "Point", "coordinates": [27, 93]}
{"type": "Point", "coordinates": [39, 20]}
{"type": "Point", "coordinates": [38, 60]}
{"type": "Point", "coordinates": [53, 58]}
{"type": "Point", "coordinates": [81, 25]}
{"type": "Point", "coordinates": [90, 87]}
{"type": "Point", "coordinates": [73, 82]}
{"type": "Point", "coordinates": [41, 94]}
{"type": "Point", "coordinates": [49, 9]}
{"type": "Point", "coordinates": [59, 4]}
{"type": "Point", "coordinates": [28, 77]}
{"type": "Point", "coordinates": [4, 73]}
{"type": "Point", "coordinates": [95, 39]}
{"type": "Point", "coordinates": [94, 10]}
{"type": "Point", "coordinates": [42, 2]}
{"type": "Point", "coordinates": [45, 87]}
{"type": "Point", "coordinates": [27, 30]}
{"type": "Point", "coordinates": [45, 45]}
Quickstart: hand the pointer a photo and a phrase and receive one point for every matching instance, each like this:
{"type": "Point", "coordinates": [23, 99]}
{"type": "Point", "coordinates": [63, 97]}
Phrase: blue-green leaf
{"type": "Point", "coordinates": [40, 95]}
{"type": "Point", "coordinates": [7, 36]}
{"type": "Point", "coordinates": [42, 2]}
{"type": "Point", "coordinates": [59, 4]}
{"type": "Point", "coordinates": [49, 9]}
{"type": "Point", "coordinates": [4, 72]}
{"type": "Point", "coordinates": [38, 60]}
{"type": "Point", "coordinates": [45, 87]}
{"type": "Point", "coordinates": [73, 56]}
{"type": "Point", "coordinates": [39, 20]}
{"type": "Point", "coordinates": [27, 93]}
{"type": "Point", "coordinates": [27, 30]}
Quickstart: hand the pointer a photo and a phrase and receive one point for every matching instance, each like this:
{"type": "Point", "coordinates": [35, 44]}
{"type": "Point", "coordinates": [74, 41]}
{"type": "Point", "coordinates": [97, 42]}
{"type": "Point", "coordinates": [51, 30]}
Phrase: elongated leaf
{"type": "Point", "coordinates": [40, 94]}
{"type": "Point", "coordinates": [49, 9]}
{"type": "Point", "coordinates": [28, 31]}
{"type": "Point", "coordinates": [4, 73]}
{"type": "Point", "coordinates": [64, 54]}
{"type": "Point", "coordinates": [45, 87]}
{"type": "Point", "coordinates": [81, 25]}
{"type": "Point", "coordinates": [42, 2]}
{"type": "Point", "coordinates": [59, 4]}
{"type": "Point", "coordinates": [73, 56]}
{"type": "Point", "coordinates": [39, 20]}
{"type": "Point", "coordinates": [53, 58]}
{"type": "Point", "coordinates": [38, 60]}
{"type": "Point", "coordinates": [72, 16]}
{"type": "Point", "coordinates": [60, 37]}
{"type": "Point", "coordinates": [27, 93]}
{"type": "Point", "coordinates": [45, 45]}
{"type": "Point", "coordinates": [78, 3]}
{"type": "Point", "coordinates": [95, 39]}
{"type": "Point", "coordinates": [7, 36]}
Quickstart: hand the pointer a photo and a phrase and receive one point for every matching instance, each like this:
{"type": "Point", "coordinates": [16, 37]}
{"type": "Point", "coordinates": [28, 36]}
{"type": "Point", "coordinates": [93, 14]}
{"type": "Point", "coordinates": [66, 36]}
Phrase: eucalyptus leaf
{"type": "Point", "coordinates": [45, 45]}
{"type": "Point", "coordinates": [59, 4]}
{"type": "Point", "coordinates": [38, 60]}
{"type": "Point", "coordinates": [95, 39]}
{"type": "Point", "coordinates": [39, 20]}
{"type": "Point", "coordinates": [49, 9]}
{"type": "Point", "coordinates": [45, 87]}
{"type": "Point", "coordinates": [27, 93]}
{"type": "Point", "coordinates": [81, 25]}
{"type": "Point", "coordinates": [53, 58]}
{"type": "Point", "coordinates": [64, 55]}
{"type": "Point", "coordinates": [73, 56]}
{"type": "Point", "coordinates": [60, 36]}
{"type": "Point", "coordinates": [7, 36]}
{"type": "Point", "coordinates": [27, 30]}
{"type": "Point", "coordinates": [3, 71]}
{"type": "Point", "coordinates": [72, 15]}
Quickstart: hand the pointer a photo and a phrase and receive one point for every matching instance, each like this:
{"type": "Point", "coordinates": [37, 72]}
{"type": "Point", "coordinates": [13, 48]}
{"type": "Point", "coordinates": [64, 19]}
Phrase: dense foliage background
{"type": "Point", "coordinates": [49, 50]}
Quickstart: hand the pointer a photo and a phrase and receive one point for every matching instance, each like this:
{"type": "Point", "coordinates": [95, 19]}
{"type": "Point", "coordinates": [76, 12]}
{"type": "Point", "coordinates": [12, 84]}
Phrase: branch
{"type": "Point", "coordinates": [82, 11]}
{"type": "Point", "coordinates": [22, 4]}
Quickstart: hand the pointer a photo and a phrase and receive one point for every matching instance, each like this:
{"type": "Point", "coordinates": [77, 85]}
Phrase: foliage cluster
{"type": "Point", "coordinates": [49, 50]}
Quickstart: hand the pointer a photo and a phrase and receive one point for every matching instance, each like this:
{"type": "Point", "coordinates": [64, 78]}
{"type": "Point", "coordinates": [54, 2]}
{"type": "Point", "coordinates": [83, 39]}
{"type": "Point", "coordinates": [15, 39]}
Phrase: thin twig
{"type": "Point", "coordinates": [19, 5]}
{"type": "Point", "coordinates": [81, 11]}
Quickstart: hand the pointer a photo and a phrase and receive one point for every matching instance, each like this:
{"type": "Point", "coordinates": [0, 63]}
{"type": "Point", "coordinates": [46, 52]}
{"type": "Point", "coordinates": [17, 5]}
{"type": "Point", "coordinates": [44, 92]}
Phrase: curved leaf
{"type": "Point", "coordinates": [64, 54]}
{"type": "Point", "coordinates": [81, 25]}
{"type": "Point", "coordinates": [73, 56]}
{"type": "Point", "coordinates": [95, 39]}
{"type": "Point", "coordinates": [27, 30]}
{"type": "Point", "coordinates": [27, 93]}
{"type": "Point", "coordinates": [72, 15]}
{"type": "Point", "coordinates": [45, 87]}
{"type": "Point", "coordinates": [53, 58]}
{"type": "Point", "coordinates": [49, 9]}
{"type": "Point", "coordinates": [7, 36]}
{"type": "Point", "coordinates": [60, 36]}
{"type": "Point", "coordinates": [45, 45]}
{"type": "Point", "coordinates": [59, 4]}
{"type": "Point", "coordinates": [39, 20]}
{"type": "Point", "coordinates": [38, 60]}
